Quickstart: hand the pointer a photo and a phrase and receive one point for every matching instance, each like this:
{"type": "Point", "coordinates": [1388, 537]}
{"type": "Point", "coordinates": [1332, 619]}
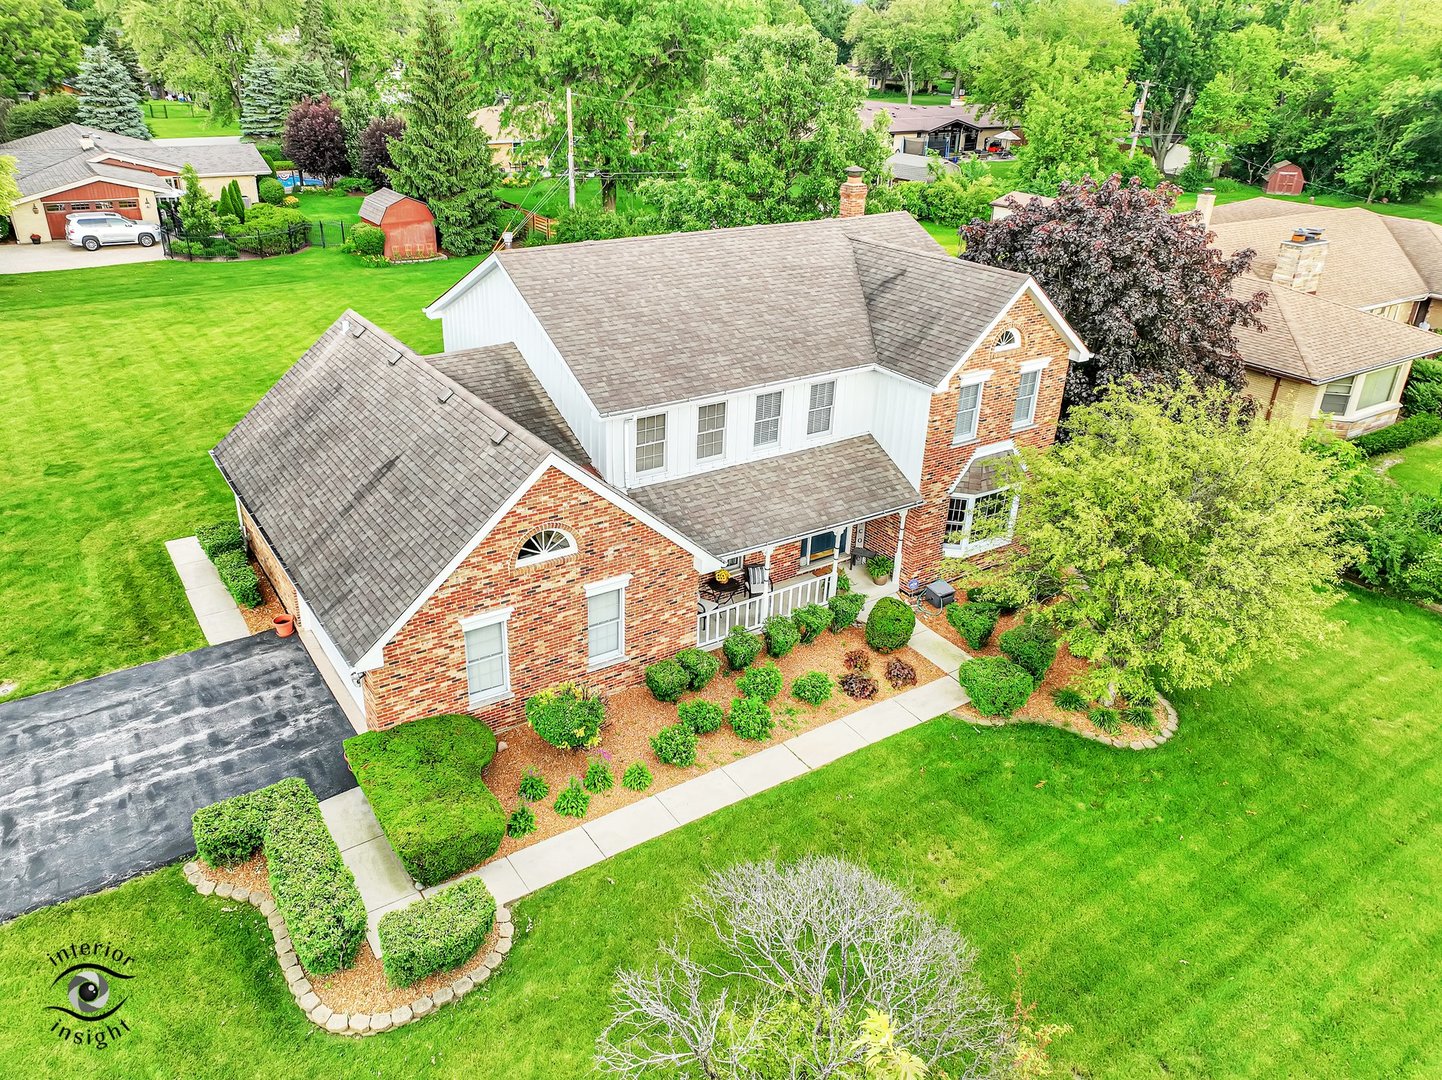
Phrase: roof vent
{"type": "Point", "coordinates": [345, 326]}
{"type": "Point", "coordinates": [359, 330]}
{"type": "Point", "coordinates": [446, 395]}
{"type": "Point", "coordinates": [498, 435]}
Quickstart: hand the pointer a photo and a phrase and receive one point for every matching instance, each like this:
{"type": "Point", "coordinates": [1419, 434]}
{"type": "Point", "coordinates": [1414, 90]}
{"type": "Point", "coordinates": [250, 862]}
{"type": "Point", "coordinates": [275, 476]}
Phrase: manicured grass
{"type": "Point", "coordinates": [945, 235]}
{"type": "Point", "coordinates": [1428, 207]}
{"type": "Point", "coordinates": [118, 381]}
{"type": "Point", "coordinates": [1420, 468]}
{"type": "Point", "coordinates": [328, 208]}
{"type": "Point", "coordinates": [1257, 898]}
{"type": "Point", "coordinates": [549, 197]}
{"type": "Point", "coordinates": [173, 120]}
{"type": "Point", "coordinates": [892, 97]}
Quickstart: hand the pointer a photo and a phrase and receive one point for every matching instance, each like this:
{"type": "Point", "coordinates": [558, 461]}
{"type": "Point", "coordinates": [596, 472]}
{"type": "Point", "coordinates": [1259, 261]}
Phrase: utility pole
{"type": "Point", "coordinates": [1138, 111]}
{"type": "Point", "coordinates": [570, 149]}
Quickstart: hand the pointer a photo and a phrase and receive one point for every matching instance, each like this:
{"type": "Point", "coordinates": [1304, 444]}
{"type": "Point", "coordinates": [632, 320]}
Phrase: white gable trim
{"type": "Point", "coordinates": [703, 561]}
{"type": "Point", "coordinates": [96, 179]}
{"type": "Point", "coordinates": [1079, 353]}
{"type": "Point", "coordinates": [434, 309]}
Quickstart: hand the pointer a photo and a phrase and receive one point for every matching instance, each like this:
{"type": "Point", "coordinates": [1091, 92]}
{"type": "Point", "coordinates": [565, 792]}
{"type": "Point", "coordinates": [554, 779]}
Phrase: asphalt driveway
{"type": "Point", "coordinates": [98, 780]}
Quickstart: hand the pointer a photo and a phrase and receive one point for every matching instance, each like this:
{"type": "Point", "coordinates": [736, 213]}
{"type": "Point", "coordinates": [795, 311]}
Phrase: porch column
{"type": "Point", "coordinates": [766, 605]}
{"type": "Point", "coordinates": [900, 538]}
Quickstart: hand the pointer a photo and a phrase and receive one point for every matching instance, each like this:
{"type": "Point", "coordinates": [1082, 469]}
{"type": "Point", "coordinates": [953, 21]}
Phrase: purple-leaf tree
{"type": "Point", "coordinates": [315, 139]}
{"type": "Point", "coordinates": [375, 146]}
{"type": "Point", "coordinates": [1139, 283]}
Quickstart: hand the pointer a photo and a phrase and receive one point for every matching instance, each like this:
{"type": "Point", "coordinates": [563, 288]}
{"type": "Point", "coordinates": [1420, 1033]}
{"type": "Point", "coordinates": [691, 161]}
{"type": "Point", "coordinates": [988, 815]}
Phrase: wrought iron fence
{"type": "Point", "coordinates": [263, 243]}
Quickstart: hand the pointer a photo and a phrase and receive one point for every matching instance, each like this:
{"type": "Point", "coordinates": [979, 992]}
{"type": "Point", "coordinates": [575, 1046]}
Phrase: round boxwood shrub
{"type": "Point", "coordinates": [567, 715]}
{"type": "Point", "coordinates": [699, 665]}
{"type": "Point", "coordinates": [702, 717]}
{"type": "Point", "coordinates": [997, 687]}
{"type": "Point", "coordinates": [814, 688]}
{"type": "Point", "coordinates": [810, 621]}
{"type": "Point", "coordinates": [781, 635]}
{"type": "Point", "coordinates": [889, 625]}
{"type": "Point", "coordinates": [368, 240]}
{"type": "Point", "coordinates": [762, 682]}
{"type": "Point", "coordinates": [751, 719]}
{"type": "Point", "coordinates": [845, 609]}
{"type": "Point", "coordinates": [741, 647]}
{"type": "Point", "coordinates": [667, 680]}
{"type": "Point", "coordinates": [1032, 645]}
{"type": "Point", "coordinates": [271, 190]}
{"type": "Point", "coordinates": [974, 621]}
{"type": "Point", "coordinates": [675, 745]}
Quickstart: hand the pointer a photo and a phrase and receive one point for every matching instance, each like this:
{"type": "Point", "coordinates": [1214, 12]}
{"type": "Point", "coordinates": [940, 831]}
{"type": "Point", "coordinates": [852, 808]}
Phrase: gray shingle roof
{"type": "Point", "coordinates": [906, 118]}
{"type": "Point", "coordinates": [373, 207]}
{"type": "Point", "coordinates": [743, 507]}
{"type": "Point", "coordinates": [368, 471]}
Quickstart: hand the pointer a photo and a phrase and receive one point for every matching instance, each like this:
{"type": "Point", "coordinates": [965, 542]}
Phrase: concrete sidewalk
{"type": "Point", "coordinates": [216, 611]}
{"type": "Point", "coordinates": [383, 882]}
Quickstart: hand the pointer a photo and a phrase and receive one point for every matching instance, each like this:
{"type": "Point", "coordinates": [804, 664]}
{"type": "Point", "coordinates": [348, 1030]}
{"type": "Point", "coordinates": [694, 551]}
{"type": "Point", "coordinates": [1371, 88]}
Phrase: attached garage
{"type": "Point", "coordinates": [408, 223]}
{"type": "Point", "coordinates": [113, 197]}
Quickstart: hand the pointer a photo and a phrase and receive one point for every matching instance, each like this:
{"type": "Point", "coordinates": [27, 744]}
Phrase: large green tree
{"type": "Point", "coordinates": [41, 45]}
{"type": "Point", "coordinates": [108, 98]}
{"type": "Point", "coordinates": [112, 38]}
{"type": "Point", "coordinates": [263, 108]}
{"type": "Point", "coordinates": [1073, 122]}
{"type": "Point", "coordinates": [368, 37]}
{"type": "Point", "coordinates": [9, 189]}
{"type": "Point", "coordinates": [906, 40]}
{"type": "Point", "coordinates": [770, 135]}
{"type": "Point", "coordinates": [443, 159]}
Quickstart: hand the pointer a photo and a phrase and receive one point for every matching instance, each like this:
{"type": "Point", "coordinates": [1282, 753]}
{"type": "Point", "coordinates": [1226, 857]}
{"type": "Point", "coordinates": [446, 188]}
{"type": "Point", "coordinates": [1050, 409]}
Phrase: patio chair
{"type": "Point", "coordinates": [758, 579]}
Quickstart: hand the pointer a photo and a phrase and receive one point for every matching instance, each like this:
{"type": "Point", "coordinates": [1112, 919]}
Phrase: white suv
{"type": "Point", "coordinates": [91, 228]}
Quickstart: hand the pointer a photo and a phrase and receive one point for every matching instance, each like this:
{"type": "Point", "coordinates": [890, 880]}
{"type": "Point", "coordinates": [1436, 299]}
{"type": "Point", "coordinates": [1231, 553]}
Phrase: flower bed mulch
{"type": "Point", "coordinates": [633, 716]}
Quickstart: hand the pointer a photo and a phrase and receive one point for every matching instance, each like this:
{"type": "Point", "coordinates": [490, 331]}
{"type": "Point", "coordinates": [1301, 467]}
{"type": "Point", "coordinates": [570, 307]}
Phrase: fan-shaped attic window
{"type": "Point", "coordinates": [1010, 338]}
{"type": "Point", "coordinates": [545, 544]}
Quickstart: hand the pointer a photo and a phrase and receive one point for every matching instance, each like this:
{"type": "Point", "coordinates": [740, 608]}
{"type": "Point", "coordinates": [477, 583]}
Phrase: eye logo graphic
{"type": "Point", "coordinates": [91, 978]}
{"type": "Point", "coordinates": [89, 992]}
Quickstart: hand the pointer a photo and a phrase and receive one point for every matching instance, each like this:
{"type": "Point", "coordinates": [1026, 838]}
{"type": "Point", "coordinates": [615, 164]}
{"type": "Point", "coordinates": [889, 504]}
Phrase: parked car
{"type": "Point", "coordinates": [91, 229]}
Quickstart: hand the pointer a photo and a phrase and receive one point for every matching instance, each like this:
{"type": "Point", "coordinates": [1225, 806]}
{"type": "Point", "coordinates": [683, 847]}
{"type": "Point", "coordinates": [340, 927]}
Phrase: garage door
{"type": "Point", "coordinates": [55, 212]}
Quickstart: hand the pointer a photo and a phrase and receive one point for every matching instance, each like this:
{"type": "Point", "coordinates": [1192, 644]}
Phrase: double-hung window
{"type": "Point", "coordinates": [968, 412]}
{"type": "Point", "coordinates": [1026, 391]}
{"type": "Point", "coordinates": [818, 415]}
{"type": "Point", "coordinates": [711, 431]}
{"type": "Point", "coordinates": [651, 443]}
{"type": "Point", "coordinates": [606, 621]}
{"type": "Point", "coordinates": [488, 674]}
{"type": "Point", "coordinates": [1337, 397]}
{"type": "Point", "coordinates": [767, 431]}
{"type": "Point", "coordinates": [1377, 387]}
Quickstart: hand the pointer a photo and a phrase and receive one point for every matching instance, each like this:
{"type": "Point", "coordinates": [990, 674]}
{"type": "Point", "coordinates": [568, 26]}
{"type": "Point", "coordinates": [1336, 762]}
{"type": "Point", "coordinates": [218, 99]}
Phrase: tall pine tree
{"type": "Point", "coordinates": [122, 50]}
{"type": "Point", "coordinates": [108, 97]}
{"type": "Point", "coordinates": [443, 159]}
{"type": "Point", "coordinates": [262, 107]}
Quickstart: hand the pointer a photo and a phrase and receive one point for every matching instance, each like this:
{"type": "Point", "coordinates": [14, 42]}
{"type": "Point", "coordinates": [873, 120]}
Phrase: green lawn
{"type": "Point", "coordinates": [1420, 467]}
{"type": "Point", "coordinates": [118, 380]}
{"type": "Point", "coordinates": [945, 235]}
{"type": "Point", "coordinates": [549, 197]}
{"type": "Point", "coordinates": [173, 120]}
{"type": "Point", "coordinates": [319, 207]}
{"type": "Point", "coordinates": [898, 97]}
{"type": "Point", "coordinates": [1429, 207]}
{"type": "Point", "coordinates": [1257, 898]}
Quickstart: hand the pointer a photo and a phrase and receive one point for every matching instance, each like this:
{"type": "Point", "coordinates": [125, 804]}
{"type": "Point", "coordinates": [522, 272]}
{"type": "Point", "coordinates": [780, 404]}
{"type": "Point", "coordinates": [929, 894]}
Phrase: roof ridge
{"type": "Point", "coordinates": [943, 256]}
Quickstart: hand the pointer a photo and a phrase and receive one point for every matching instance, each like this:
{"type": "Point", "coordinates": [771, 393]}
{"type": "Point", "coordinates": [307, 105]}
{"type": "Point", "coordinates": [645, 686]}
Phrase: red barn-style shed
{"type": "Point", "coordinates": [408, 223]}
{"type": "Point", "coordinates": [1285, 179]}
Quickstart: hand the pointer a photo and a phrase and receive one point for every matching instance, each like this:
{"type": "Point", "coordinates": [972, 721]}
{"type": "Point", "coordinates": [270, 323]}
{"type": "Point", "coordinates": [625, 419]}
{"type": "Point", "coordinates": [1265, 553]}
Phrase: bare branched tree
{"type": "Point", "coordinates": [806, 953]}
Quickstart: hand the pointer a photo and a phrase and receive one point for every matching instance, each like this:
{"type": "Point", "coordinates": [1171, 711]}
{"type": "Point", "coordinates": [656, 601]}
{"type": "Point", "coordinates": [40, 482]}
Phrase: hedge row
{"type": "Point", "coordinates": [436, 934]}
{"type": "Point", "coordinates": [1416, 428]}
{"type": "Point", "coordinates": [216, 540]}
{"type": "Point", "coordinates": [238, 577]}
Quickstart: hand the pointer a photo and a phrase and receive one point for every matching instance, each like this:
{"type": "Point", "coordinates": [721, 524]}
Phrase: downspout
{"type": "Point", "coordinates": [1276, 388]}
{"type": "Point", "coordinates": [900, 538]}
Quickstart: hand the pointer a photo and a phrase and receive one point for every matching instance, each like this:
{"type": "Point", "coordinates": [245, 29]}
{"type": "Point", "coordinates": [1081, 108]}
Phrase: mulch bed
{"type": "Point", "coordinates": [633, 716]}
{"type": "Point", "coordinates": [262, 618]}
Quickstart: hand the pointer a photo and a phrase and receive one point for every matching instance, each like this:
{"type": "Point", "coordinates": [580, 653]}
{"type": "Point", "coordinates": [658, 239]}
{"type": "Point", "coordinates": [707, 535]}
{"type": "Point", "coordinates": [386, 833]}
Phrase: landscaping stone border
{"type": "Point", "coordinates": [321, 1014]}
{"type": "Point", "coordinates": [1168, 728]}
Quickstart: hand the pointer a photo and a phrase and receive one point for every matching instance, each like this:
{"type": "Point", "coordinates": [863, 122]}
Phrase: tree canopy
{"type": "Point", "coordinates": [315, 140]}
{"type": "Point", "coordinates": [42, 42]}
{"type": "Point", "coordinates": [108, 96]}
{"type": "Point", "coordinates": [262, 108]}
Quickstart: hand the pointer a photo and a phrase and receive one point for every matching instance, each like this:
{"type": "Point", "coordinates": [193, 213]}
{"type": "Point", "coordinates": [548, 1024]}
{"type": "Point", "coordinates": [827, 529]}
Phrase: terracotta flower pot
{"type": "Point", "coordinates": [284, 625]}
{"type": "Point", "coordinates": [880, 579]}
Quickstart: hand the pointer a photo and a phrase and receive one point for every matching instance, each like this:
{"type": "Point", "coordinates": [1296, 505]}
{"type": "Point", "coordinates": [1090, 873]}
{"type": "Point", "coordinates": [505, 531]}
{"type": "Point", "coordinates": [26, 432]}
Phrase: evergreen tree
{"type": "Point", "coordinates": [108, 97]}
{"type": "Point", "coordinates": [316, 44]}
{"type": "Point", "coordinates": [443, 159]}
{"type": "Point", "coordinates": [262, 109]}
{"type": "Point", "coordinates": [303, 78]}
{"type": "Point", "coordinates": [122, 50]}
{"type": "Point", "coordinates": [197, 212]}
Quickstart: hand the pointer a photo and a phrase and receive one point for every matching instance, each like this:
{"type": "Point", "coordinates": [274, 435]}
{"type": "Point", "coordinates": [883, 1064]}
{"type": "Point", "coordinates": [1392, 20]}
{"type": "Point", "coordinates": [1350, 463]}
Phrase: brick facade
{"type": "Point", "coordinates": [424, 669]}
{"type": "Point", "coordinates": [260, 551]}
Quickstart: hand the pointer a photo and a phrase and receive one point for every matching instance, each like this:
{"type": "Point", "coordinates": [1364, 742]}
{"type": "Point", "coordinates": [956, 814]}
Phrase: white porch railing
{"type": "Point", "coordinates": [713, 625]}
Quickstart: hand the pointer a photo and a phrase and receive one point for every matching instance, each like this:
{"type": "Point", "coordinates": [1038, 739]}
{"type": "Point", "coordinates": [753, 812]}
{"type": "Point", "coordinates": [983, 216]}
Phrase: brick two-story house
{"type": "Point", "coordinates": [612, 423]}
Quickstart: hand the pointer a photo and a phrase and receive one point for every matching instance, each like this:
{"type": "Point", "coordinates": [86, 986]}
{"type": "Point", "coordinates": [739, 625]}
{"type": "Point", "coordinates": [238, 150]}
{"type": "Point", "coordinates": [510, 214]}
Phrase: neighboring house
{"type": "Point", "coordinates": [506, 142]}
{"type": "Point", "coordinates": [614, 421]}
{"type": "Point", "coordinates": [408, 223]}
{"type": "Point", "coordinates": [917, 168]}
{"type": "Point", "coordinates": [948, 130]}
{"type": "Point", "coordinates": [72, 168]}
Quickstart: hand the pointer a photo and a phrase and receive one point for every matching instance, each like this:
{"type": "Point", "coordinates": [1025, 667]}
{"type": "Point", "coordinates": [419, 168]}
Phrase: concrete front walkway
{"type": "Point", "coordinates": [383, 882]}
{"type": "Point", "coordinates": [215, 609]}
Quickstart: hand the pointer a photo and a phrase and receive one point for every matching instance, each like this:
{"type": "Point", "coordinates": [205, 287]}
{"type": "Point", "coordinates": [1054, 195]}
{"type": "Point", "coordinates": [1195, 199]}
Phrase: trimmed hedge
{"type": "Point", "coordinates": [238, 577]}
{"type": "Point", "coordinates": [845, 609]}
{"type": "Point", "coordinates": [1399, 436]}
{"type": "Point", "coordinates": [368, 240]}
{"type": "Point", "coordinates": [229, 832]}
{"type": "Point", "coordinates": [702, 717]}
{"type": "Point", "coordinates": [814, 688]}
{"type": "Point", "coordinates": [568, 716]}
{"type": "Point", "coordinates": [436, 934]}
{"type": "Point", "coordinates": [1032, 645]}
{"type": "Point", "coordinates": [423, 780]}
{"type": "Point", "coordinates": [751, 719]}
{"type": "Point", "coordinates": [667, 680]}
{"type": "Point", "coordinates": [699, 665]}
{"type": "Point", "coordinates": [219, 538]}
{"type": "Point", "coordinates": [271, 190]}
{"type": "Point", "coordinates": [811, 620]}
{"type": "Point", "coordinates": [741, 647]}
{"type": "Point", "coordinates": [781, 635]}
{"type": "Point", "coordinates": [890, 624]}
{"type": "Point", "coordinates": [762, 682]}
{"type": "Point", "coordinates": [675, 745]}
{"type": "Point", "coordinates": [997, 687]}
{"type": "Point", "coordinates": [973, 621]}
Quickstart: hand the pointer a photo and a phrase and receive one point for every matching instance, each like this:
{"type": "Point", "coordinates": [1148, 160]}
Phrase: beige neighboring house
{"type": "Point", "coordinates": [506, 142]}
{"type": "Point", "coordinates": [1002, 208]}
{"type": "Point", "coordinates": [72, 168]}
{"type": "Point", "coordinates": [948, 130]}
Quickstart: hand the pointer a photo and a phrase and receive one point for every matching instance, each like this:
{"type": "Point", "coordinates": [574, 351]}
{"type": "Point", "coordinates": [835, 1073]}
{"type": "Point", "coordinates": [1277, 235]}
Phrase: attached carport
{"type": "Point", "coordinates": [101, 778]}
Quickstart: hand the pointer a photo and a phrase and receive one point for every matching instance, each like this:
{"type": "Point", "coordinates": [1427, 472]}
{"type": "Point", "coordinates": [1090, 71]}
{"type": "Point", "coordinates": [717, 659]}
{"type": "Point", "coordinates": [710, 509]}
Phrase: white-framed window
{"type": "Point", "coordinates": [1027, 389]}
{"type": "Point", "coordinates": [544, 545]}
{"type": "Point", "coordinates": [968, 411]}
{"type": "Point", "coordinates": [1010, 338]}
{"type": "Point", "coordinates": [711, 431]}
{"type": "Point", "coordinates": [1377, 387]}
{"type": "Point", "coordinates": [488, 667]}
{"type": "Point", "coordinates": [1337, 397]}
{"type": "Point", "coordinates": [606, 620]}
{"type": "Point", "coordinates": [818, 415]}
{"type": "Point", "coordinates": [823, 545]}
{"type": "Point", "coordinates": [767, 431]}
{"type": "Point", "coordinates": [651, 443]}
{"type": "Point", "coordinates": [982, 510]}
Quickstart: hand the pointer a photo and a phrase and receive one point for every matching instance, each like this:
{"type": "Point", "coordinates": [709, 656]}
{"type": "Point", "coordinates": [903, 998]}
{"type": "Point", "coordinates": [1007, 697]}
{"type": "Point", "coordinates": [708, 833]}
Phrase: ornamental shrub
{"type": "Point", "coordinates": [567, 716]}
{"type": "Point", "coordinates": [762, 682]}
{"type": "Point", "coordinates": [368, 240]}
{"type": "Point", "coordinates": [889, 625]}
{"type": "Point", "coordinates": [1398, 436]}
{"type": "Point", "coordinates": [751, 719]}
{"type": "Point", "coordinates": [231, 831]}
{"type": "Point", "coordinates": [899, 673]}
{"type": "Point", "coordinates": [1032, 645]}
{"type": "Point", "coordinates": [1069, 699]}
{"type": "Point", "coordinates": [636, 777]}
{"type": "Point", "coordinates": [859, 685]}
{"type": "Point", "coordinates": [522, 822]}
{"type": "Point", "coordinates": [811, 620]}
{"type": "Point", "coordinates": [700, 666]}
{"type": "Point", "coordinates": [573, 801]}
{"type": "Point", "coordinates": [843, 581]}
{"type": "Point", "coordinates": [997, 687]}
{"type": "Point", "coordinates": [599, 777]}
{"type": "Point", "coordinates": [973, 621]}
{"type": "Point", "coordinates": [219, 538]}
{"type": "Point", "coordinates": [1005, 599]}
{"type": "Point", "coordinates": [702, 717]}
{"type": "Point", "coordinates": [290, 200]}
{"type": "Point", "coordinates": [741, 648]}
{"type": "Point", "coordinates": [1140, 716]}
{"type": "Point", "coordinates": [857, 660]}
{"type": "Point", "coordinates": [814, 688]}
{"type": "Point", "coordinates": [437, 933]}
{"type": "Point", "coordinates": [675, 745]}
{"type": "Point", "coordinates": [533, 786]}
{"type": "Point", "coordinates": [1105, 719]}
{"type": "Point", "coordinates": [271, 190]}
{"type": "Point", "coordinates": [781, 635]}
{"type": "Point", "coordinates": [667, 680]}
{"type": "Point", "coordinates": [845, 608]}
{"type": "Point", "coordinates": [238, 578]}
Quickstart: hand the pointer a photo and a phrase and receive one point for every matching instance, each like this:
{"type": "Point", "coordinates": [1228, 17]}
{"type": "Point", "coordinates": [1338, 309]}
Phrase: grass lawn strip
{"type": "Point", "coordinates": [1419, 467]}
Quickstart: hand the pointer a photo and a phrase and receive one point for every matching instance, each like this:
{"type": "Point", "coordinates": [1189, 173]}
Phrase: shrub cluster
{"type": "Point", "coordinates": [573, 801]}
{"type": "Point", "coordinates": [229, 832]}
{"type": "Point", "coordinates": [859, 685]}
{"type": "Point", "coordinates": [890, 624]}
{"type": "Point", "coordinates": [762, 682]}
{"type": "Point", "coordinates": [1006, 600]}
{"type": "Point", "coordinates": [522, 822]}
{"type": "Point", "coordinates": [814, 688]}
{"type": "Point", "coordinates": [636, 777]}
{"type": "Point", "coordinates": [845, 609]}
{"type": "Point", "coordinates": [423, 780]}
{"type": "Point", "coordinates": [701, 717]}
{"type": "Point", "coordinates": [238, 577]}
{"type": "Point", "coordinates": [751, 719]}
{"type": "Point", "coordinates": [271, 190]}
{"type": "Point", "coordinates": [368, 240]}
{"type": "Point", "coordinates": [436, 934]}
{"type": "Point", "coordinates": [781, 635]}
{"type": "Point", "coordinates": [567, 716]}
{"type": "Point", "coordinates": [1140, 716]}
{"type": "Point", "coordinates": [1399, 436]}
{"type": "Point", "coordinates": [1423, 393]}
{"type": "Point", "coordinates": [599, 777]}
{"type": "Point", "coordinates": [811, 620]}
{"type": "Point", "coordinates": [217, 539]}
{"type": "Point", "coordinates": [997, 687]}
{"type": "Point", "coordinates": [741, 647]}
{"type": "Point", "coordinates": [667, 680]}
{"type": "Point", "coordinates": [899, 673]}
{"type": "Point", "coordinates": [700, 666]}
{"type": "Point", "coordinates": [974, 621]}
{"type": "Point", "coordinates": [1032, 645]}
{"type": "Point", "coordinates": [675, 745]}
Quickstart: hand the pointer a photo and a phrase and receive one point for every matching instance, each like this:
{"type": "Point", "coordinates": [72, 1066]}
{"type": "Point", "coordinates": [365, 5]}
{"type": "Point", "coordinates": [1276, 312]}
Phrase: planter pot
{"type": "Point", "coordinates": [35, 238]}
{"type": "Point", "coordinates": [284, 625]}
{"type": "Point", "coordinates": [880, 579]}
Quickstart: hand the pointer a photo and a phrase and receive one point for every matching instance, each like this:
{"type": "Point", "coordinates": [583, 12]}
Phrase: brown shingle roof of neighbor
{"type": "Point", "coordinates": [1317, 340]}
{"type": "Point", "coordinates": [649, 321]}
{"type": "Point", "coordinates": [1422, 242]}
{"type": "Point", "coordinates": [906, 118]}
{"type": "Point", "coordinates": [369, 471]}
{"type": "Point", "coordinates": [745, 507]}
{"type": "Point", "coordinates": [373, 207]}
{"type": "Point", "coordinates": [1023, 198]}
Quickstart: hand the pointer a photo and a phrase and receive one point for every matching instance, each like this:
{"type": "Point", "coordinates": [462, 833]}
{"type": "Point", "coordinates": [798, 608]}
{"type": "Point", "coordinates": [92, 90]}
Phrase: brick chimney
{"type": "Point", "coordinates": [1300, 260]}
{"type": "Point", "coordinates": [1206, 203]}
{"type": "Point", "coordinates": [853, 193]}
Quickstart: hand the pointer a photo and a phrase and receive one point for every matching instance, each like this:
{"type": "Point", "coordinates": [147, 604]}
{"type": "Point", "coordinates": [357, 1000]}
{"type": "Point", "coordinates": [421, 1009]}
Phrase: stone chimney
{"type": "Point", "coordinates": [853, 193]}
{"type": "Point", "coordinates": [1206, 203]}
{"type": "Point", "coordinates": [1300, 260]}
